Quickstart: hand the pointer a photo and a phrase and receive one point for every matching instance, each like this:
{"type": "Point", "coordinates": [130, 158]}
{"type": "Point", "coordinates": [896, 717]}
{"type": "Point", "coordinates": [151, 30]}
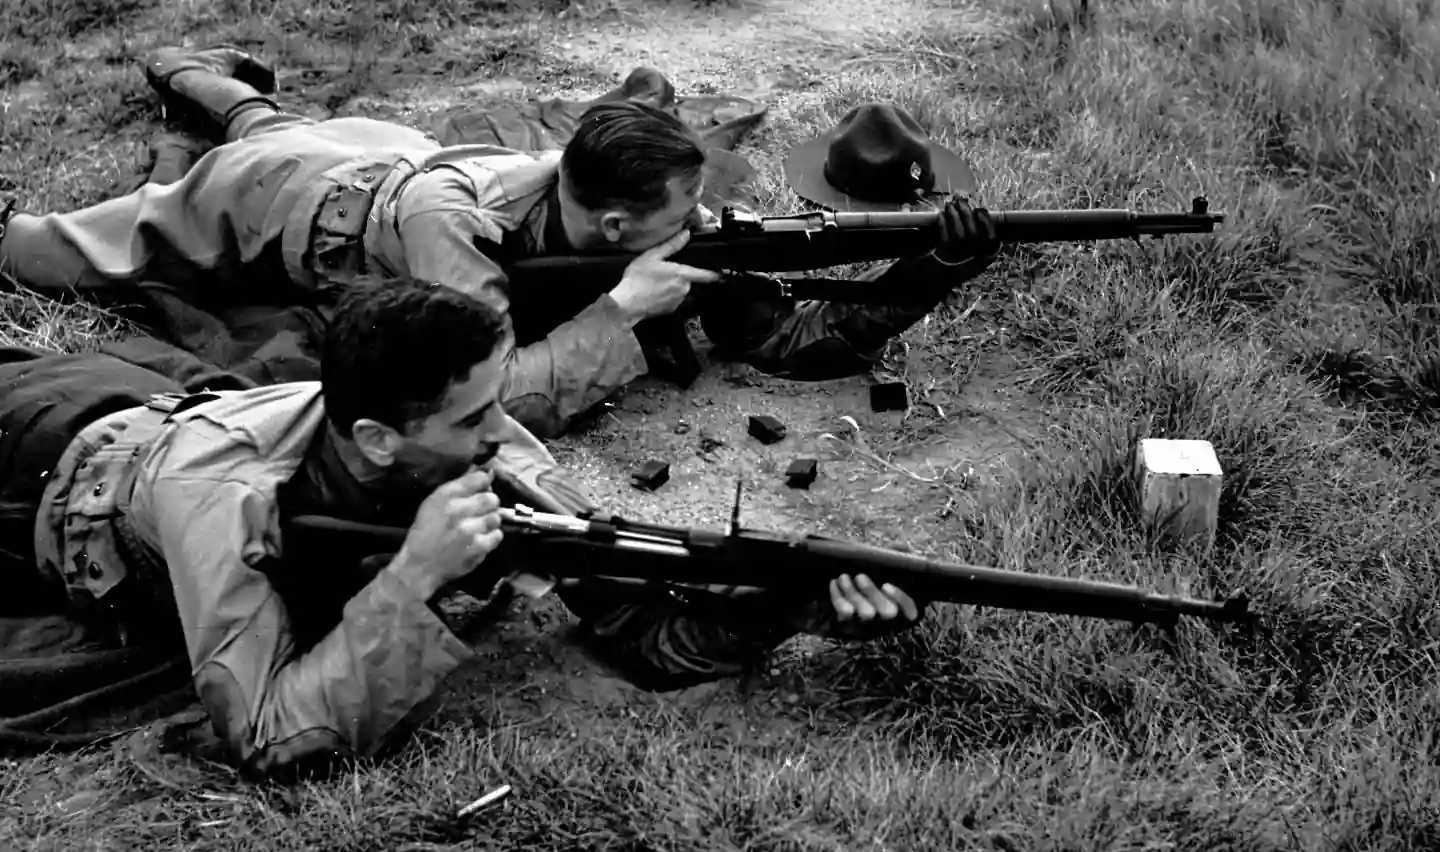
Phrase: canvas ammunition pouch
{"type": "Point", "coordinates": [109, 570]}
{"type": "Point", "coordinates": [336, 245]}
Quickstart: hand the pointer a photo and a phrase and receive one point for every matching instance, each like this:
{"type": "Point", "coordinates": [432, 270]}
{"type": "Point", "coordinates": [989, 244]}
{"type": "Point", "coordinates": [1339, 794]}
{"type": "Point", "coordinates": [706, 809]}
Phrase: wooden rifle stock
{"type": "Point", "coordinates": [565, 546]}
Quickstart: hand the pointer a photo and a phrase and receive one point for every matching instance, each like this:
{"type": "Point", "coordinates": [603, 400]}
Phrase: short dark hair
{"type": "Point", "coordinates": [395, 346]}
{"type": "Point", "coordinates": [624, 154]}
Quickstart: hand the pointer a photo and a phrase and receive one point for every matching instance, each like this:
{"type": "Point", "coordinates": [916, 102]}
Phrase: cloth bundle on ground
{"type": "Point", "coordinates": [58, 689]}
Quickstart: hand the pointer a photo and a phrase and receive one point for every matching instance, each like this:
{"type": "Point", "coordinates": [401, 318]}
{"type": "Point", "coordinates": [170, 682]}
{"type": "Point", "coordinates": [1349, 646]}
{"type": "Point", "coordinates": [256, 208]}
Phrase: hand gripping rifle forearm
{"type": "Point", "coordinates": [564, 546]}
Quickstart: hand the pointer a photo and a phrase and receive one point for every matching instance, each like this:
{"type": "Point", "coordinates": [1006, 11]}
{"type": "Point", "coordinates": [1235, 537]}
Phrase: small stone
{"type": "Point", "coordinates": [801, 473]}
{"type": "Point", "coordinates": [766, 429]}
{"type": "Point", "coordinates": [650, 475]}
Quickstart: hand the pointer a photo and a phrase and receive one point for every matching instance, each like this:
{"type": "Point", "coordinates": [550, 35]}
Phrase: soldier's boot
{"type": "Point", "coordinates": [171, 156]}
{"type": "Point", "coordinates": [209, 87]}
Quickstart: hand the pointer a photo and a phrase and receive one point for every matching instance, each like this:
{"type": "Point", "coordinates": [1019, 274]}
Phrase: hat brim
{"type": "Point", "coordinates": [805, 172]}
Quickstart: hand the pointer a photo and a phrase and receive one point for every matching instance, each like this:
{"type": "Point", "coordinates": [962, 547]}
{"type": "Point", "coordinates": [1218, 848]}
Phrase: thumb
{"type": "Point", "coordinates": [670, 246]}
{"type": "Point", "coordinates": [477, 480]}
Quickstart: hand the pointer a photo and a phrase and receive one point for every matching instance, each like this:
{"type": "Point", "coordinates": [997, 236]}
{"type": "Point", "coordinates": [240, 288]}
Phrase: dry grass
{"type": "Point", "coordinates": [1303, 341]}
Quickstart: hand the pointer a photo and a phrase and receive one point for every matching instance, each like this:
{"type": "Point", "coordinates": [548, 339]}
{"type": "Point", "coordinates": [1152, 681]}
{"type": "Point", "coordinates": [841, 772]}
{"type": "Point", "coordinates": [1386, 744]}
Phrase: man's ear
{"type": "Point", "coordinates": [376, 441]}
{"type": "Point", "coordinates": [613, 225]}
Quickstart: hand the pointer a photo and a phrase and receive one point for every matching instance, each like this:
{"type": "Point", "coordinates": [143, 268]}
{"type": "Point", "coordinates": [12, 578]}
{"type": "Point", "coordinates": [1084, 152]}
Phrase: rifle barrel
{"type": "Point", "coordinates": [980, 586]}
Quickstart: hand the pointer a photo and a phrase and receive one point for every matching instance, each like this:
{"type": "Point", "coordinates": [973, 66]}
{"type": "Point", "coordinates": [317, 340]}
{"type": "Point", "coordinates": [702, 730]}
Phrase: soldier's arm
{"type": "Point", "coordinates": [670, 635]}
{"type": "Point", "coordinates": [277, 706]}
{"type": "Point", "coordinates": [547, 382]}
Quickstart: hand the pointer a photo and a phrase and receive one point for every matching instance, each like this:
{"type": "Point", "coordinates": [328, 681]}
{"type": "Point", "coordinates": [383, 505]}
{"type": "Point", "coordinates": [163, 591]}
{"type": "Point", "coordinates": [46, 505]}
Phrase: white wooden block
{"type": "Point", "coordinates": [1179, 489]}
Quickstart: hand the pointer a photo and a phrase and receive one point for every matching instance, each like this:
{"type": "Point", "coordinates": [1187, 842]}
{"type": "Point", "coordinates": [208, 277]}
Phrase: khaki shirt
{"type": "Point", "coordinates": [427, 215]}
{"type": "Point", "coordinates": [426, 205]}
{"type": "Point", "coordinates": [331, 194]}
{"type": "Point", "coordinates": [198, 492]}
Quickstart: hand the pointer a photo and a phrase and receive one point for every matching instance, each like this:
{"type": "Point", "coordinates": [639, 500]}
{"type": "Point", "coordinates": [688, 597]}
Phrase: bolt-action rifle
{"type": "Point", "coordinates": [567, 546]}
{"type": "Point", "coordinates": [749, 248]}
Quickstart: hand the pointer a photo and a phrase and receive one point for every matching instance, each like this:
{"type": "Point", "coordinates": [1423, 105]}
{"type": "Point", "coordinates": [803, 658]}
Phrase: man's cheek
{"type": "Point", "coordinates": [645, 242]}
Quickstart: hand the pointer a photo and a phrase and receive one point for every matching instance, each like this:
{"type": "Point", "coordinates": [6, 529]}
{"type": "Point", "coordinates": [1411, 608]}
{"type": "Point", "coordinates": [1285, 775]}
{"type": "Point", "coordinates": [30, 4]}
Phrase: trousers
{"type": "Point", "coordinates": [45, 400]}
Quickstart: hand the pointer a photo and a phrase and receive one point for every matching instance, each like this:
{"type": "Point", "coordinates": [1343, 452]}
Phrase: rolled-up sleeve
{"type": "Point", "coordinates": [547, 382]}
{"type": "Point", "coordinates": [275, 705]}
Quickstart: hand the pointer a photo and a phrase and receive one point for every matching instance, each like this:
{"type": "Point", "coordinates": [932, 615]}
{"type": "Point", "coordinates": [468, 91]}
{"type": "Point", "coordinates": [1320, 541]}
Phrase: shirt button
{"type": "Point", "coordinates": [95, 571]}
{"type": "Point", "coordinates": [99, 489]}
{"type": "Point", "coordinates": [342, 212]}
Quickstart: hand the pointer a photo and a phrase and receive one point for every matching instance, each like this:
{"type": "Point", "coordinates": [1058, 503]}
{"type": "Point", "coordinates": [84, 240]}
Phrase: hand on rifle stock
{"type": "Point", "coordinates": [966, 234]}
{"type": "Point", "coordinates": [654, 286]}
{"type": "Point", "coordinates": [456, 528]}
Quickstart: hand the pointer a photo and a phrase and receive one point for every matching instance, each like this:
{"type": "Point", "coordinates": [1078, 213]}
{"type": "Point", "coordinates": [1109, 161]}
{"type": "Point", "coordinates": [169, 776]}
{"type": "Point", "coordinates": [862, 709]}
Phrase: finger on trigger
{"type": "Point", "coordinates": [695, 273]}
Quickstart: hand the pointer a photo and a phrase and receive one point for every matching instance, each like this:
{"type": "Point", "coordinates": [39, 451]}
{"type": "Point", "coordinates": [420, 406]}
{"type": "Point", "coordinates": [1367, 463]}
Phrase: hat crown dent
{"type": "Point", "coordinates": [876, 134]}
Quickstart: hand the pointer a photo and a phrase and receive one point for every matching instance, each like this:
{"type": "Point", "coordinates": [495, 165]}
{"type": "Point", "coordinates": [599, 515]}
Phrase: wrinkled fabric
{"type": "Point", "coordinates": [157, 536]}
{"type": "Point", "coordinates": [64, 676]}
{"type": "Point", "coordinates": [45, 401]}
{"type": "Point", "coordinates": [245, 279]}
{"type": "Point", "coordinates": [202, 508]}
{"type": "Point", "coordinates": [205, 501]}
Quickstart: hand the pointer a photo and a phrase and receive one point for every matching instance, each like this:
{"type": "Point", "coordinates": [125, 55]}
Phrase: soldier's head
{"type": "Point", "coordinates": [630, 178]}
{"type": "Point", "coordinates": [411, 374]}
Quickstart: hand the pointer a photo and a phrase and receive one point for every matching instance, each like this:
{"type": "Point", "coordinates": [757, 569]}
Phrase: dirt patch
{"type": "Point", "coordinates": [702, 433]}
{"type": "Point", "coordinates": [752, 47]}
{"type": "Point", "coordinates": [892, 478]}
